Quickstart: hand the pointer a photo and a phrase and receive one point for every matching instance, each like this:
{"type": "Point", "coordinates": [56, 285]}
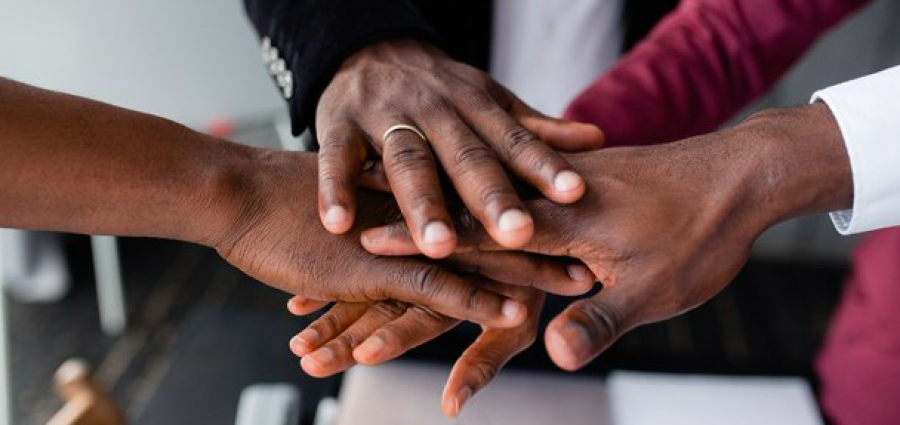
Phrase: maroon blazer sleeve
{"type": "Point", "coordinates": [701, 65]}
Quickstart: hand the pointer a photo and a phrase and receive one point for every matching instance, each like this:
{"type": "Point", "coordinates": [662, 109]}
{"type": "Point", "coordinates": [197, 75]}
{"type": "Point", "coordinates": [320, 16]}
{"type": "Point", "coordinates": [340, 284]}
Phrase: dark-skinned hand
{"type": "Point", "coordinates": [476, 130]}
{"type": "Point", "coordinates": [667, 227]}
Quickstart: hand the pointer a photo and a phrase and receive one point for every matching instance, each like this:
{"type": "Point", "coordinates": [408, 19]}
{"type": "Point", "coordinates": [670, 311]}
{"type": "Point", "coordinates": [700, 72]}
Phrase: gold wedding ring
{"type": "Point", "coordinates": [404, 127]}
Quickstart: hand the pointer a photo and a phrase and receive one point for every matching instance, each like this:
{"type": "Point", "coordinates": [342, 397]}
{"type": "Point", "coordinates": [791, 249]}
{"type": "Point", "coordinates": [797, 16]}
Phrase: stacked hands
{"type": "Point", "coordinates": [664, 228]}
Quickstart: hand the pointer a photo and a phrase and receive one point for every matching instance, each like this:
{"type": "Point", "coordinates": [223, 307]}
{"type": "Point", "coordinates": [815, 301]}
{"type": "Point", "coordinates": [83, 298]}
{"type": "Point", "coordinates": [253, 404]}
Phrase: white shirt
{"type": "Point", "coordinates": [547, 52]}
{"type": "Point", "coordinates": [868, 112]}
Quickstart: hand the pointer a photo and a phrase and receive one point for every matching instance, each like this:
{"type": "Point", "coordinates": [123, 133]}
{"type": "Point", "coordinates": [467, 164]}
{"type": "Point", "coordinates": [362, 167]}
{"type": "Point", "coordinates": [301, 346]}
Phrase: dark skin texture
{"type": "Point", "coordinates": [476, 131]}
{"type": "Point", "coordinates": [75, 165]}
{"type": "Point", "coordinates": [665, 228]}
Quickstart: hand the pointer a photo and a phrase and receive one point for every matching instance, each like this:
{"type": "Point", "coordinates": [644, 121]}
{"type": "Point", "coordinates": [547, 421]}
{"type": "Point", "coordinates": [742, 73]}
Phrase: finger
{"type": "Point", "coordinates": [412, 173]}
{"type": "Point", "coordinates": [481, 181]}
{"type": "Point", "coordinates": [341, 154]}
{"type": "Point", "coordinates": [434, 287]}
{"type": "Point", "coordinates": [336, 354]}
{"type": "Point", "coordinates": [392, 240]}
{"type": "Point", "coordinates": [301, 306]}
{"type": "Point", "coordinates": [417, 326]}
{"type": "Point", "coordinates": [562, 135]}
{"type": "Point", "coordinates": [588, 327]}
{"type": "Point", "coordinates": [480, 364]}
{"type": "Point", "coordinates": [327, 327]}
{"type": "Point", "coordinates": [559, 276]}
{"type": "Point", "coordinates": [529, 158]}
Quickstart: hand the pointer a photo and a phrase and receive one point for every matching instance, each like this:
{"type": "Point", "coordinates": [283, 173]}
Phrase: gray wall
{"type": "Point", "coordinates": [193, 61]}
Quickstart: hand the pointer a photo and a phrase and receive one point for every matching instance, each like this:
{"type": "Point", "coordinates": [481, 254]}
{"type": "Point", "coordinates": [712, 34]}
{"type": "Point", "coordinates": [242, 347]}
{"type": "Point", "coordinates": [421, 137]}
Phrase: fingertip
{"type": "Point", "coordinates": [295, 305]}
{"type": "Point", "coordinates": [558, 351]}
{"type": "Point", "coordinates": [438, 240]}
{"type": "Point", "coordinates": [298, 347]}
{"type": "Point", "coordinates": [315, 363]}
{"type": "Point", "coordinates": [568, 187]}
{"type": "Point", "coordinates": [568, 345]}
{"type": "Point", "coordinates": [304, 342]}
{"type": "Point", "coordinates": [514, 228]}
{"type": "Point", "coordinates": [582, 276]}
{"type": "Point", "coordinates": [337, 220]}
{"type": "Point", "coordinates": [370, 350]}
{"type": "Point", "coordinates": [514, 313]}
{"type": "Point", "coordinates": [591, 133]}
{"type": "Point", "coordinates": [385, 241]}
{"type": "Point", "coordinates": [452, 402]}
{"type": "Point", "coordinates": [448, 406]}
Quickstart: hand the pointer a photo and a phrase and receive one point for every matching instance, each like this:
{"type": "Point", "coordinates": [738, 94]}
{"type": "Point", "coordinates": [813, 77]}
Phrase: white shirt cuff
{"type": "Point", "coordinates": [868, 112]}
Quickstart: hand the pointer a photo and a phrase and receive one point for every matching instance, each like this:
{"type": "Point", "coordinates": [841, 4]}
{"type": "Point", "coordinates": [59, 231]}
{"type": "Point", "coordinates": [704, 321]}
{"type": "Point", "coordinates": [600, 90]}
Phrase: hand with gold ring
{"type": "Point", "coordinates": [426, 116]}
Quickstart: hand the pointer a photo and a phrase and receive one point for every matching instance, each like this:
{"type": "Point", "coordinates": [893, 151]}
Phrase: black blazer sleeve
{"type": "Point", "coordinates": [305, 41]}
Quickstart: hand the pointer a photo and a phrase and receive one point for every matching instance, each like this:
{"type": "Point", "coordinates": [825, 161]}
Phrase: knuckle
{"type": "Point", "coordinates": [334, 143]}
{"type": "Point", "coordinates": [516, 140]}
{"type": "Point", "coordinates": [605, 322]}
{"type": "Point", "coordinates": [431, 103]}
{"type": "Point", "coordinates": [491, 194]}
{"type": "Point", "coordinates": [389, 309]}
{"type": "Point", "coordinates": [484, 370]}
{"type": "Point", "coordinates": [329, 323]}
{"type": "Point", "coordinates": [345, 341]}
{"type": "Point", "coordinates": [430, 316]}
{"type": "Point", "coordinates": [407, 156]}
{"type": "Point", "coordinates": [478, 100]}
{"type": "Point", "coordinates": [333, 179]}
{"type": "Point", "coordinates": [474, 300]}
{"type": "Point", "coordinates": [396, 334]}
{"type": "Point", "coordinates": [470, 156]}
{"type": "Point", "coordinates": [427, 281]}
{"type": "Point", "coordinates": [424, 201]}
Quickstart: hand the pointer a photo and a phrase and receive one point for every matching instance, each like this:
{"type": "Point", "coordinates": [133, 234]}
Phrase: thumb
{"type": "Point", "coordinates": [590, 326]}
{"type": "Point", "coordinates": [562, 135]}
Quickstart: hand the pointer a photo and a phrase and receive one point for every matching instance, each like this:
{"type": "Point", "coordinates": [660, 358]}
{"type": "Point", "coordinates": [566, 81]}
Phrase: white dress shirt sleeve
{"type": "Point", "coordinates": [868, 112]}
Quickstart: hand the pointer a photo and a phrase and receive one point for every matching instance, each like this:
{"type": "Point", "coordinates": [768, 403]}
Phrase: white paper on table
{"type": "Point", "coordinates": [654, 399]}
{"type": "Point", "coordinates": [405, 393]}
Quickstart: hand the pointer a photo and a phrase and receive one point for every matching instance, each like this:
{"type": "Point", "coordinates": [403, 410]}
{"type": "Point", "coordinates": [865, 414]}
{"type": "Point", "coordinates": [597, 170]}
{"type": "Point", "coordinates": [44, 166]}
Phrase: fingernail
{"type": "Point", "coordinates": [298, 346]}
{"type": "Point", "coordinates": [336, 215]}
{"type": "Point", "coordinates": [371, 237]}
{"type": "Point", "coordinates": [576, 340]}
{"type": "Point", "coordinates": [511, 309]}
{"type": "Point", "coordinates": [371, 346]}
{"type": "Point", "coordinates": [293, 306]}
{"type": "Point", "coordinates": [513, 220]}
{"type": "Point", "coordinates": [436, 233]}
{"type": "Point", "coordinates": [321, 357]}
{"type": "Point", "coordinates": [308, 336]}
{"type": "Point", "coordinates": [461, 398]}
{"type": "Point", "coordinates": [578, 272]}
{"type": "Point", "coordinates": [566, 181]}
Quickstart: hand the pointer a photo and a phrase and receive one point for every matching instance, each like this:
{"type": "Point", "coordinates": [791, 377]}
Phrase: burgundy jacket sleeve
{"type": "Point", "coordinates": [701, 65]}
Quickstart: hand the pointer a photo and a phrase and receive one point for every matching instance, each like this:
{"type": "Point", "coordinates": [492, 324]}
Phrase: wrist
{"type": "Point", "coordinates": [405, 51]}
{"type": "Point", "coordinates": [244, 185]}
{"type": "Point", "coordinates": [802, 161]}
{"type": "Point", "coordinates": [222, 185]}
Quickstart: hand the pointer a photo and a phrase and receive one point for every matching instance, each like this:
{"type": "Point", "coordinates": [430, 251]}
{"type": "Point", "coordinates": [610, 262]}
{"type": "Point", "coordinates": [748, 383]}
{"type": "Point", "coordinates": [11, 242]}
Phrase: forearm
{"type": "Point", "coordinates": [74, 165]}
{"type": "Point", "coordinates": [796, 164]}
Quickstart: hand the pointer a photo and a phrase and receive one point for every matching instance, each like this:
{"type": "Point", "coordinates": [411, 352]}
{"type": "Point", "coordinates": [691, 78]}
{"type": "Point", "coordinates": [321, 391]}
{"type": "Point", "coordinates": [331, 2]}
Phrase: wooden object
{"type": "Point", "coordinates": [86, 402]}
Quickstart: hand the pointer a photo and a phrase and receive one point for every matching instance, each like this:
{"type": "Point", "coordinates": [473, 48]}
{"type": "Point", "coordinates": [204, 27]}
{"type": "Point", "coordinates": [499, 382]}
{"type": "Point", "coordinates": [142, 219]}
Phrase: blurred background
{"type": "Point", "coordinates": [199, 331]}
